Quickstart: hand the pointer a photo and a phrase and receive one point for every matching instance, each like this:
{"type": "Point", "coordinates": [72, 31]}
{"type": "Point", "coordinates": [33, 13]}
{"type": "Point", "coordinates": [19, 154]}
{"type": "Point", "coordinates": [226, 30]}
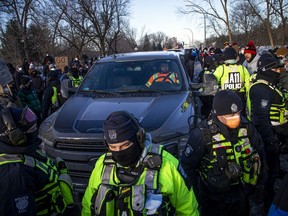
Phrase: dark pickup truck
{"type": "Point", "coordinates": [118, 82]}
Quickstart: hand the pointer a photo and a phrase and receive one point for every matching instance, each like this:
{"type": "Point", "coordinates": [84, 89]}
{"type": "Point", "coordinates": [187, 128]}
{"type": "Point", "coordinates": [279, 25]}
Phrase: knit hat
{"type": "Point", "coordinates": [119, 126]}
{"type": "Point", "coordinates": [211, 50]}
{"type": "Point", "coordinates": [235, 46]}
{"type": "Point", "coordinates": [229, 53]}
{"type": "Point", "coordinates": [53, 75]}
{"type": "Point", "coordinates": [250, 48]}
{"type": "Point", "coordinates": [31, 68]}
{"type": "Point", "coordinates": [226, 102]}
{"type": "Point", "coordinates": [25, 80]}
{"type": "Point", "coordinates": [266, 62]}
{"type": "Point", "coordinates": [282, 51]}
{"type": "Point", "coordinates": [218, 51]}
{"type": "Point", "coordinates": [226, 43]}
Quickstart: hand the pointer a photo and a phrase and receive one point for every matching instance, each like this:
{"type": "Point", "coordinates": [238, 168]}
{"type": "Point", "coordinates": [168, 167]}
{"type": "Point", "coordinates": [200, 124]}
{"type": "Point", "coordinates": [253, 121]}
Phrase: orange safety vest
{"type": "Point", "coordinates": [163, 77]}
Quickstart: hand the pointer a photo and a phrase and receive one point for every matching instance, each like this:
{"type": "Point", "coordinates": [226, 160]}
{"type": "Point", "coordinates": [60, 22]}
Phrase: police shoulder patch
{"type": "Point", "coordinates": [264, 103]}
{"type": "Point", "coordinates": [188, 150]}
{"type": "Point", "coordinates": [23, 204]}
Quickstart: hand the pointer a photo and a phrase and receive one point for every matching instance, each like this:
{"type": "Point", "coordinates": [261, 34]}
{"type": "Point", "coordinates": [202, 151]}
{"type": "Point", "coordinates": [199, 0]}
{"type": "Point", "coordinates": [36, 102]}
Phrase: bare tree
{"type": "Point", "coordinates": [158, 39]}
{"type": "Point", "coordinates": [19, 10]}
{"type": "Point", "coordinates": [100, 20]}
{"type": "Point", "coordinates": [212, 10]}
{"type": "Point", "coordinates": [280, 7]}
{"type": "Point", "coordinates": [130, 36]}
{"type": "Point", "coordinates": [243, 20]}
{"type": "Point", "coordinates": [264, 14]}
{"type": "Point", "coordinates": [11, 45]}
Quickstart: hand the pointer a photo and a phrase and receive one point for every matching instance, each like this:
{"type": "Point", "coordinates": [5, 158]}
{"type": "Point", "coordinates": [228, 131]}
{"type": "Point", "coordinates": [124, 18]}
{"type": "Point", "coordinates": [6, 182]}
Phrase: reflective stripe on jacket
{"type": "Point", "coordinates": [75, 81]}
{"type": "Point", "coordinates": [242, 153]}
{"type": "Point", "coordinates": [49, 199]}
{"type": "Point", "coordinates": [163, 77]}
{"type": "Point", "coordinates": [134, 195]}
{"type": "Point", "coordinates": [54, 98]}
{"type": "Point", "coordinates": [169, 183]}
{"type": "Point", "coordinates": [278, 113]}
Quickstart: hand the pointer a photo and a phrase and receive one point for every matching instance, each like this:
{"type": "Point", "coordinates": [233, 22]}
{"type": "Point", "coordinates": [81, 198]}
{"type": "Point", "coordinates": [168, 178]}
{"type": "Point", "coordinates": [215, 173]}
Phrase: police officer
{"type": "Point", "coordinates": [30, 182]}
{"type": "Point", "coordinates": [136, 177]}
{"type": "Point", "coordinates": [73, 74]}
{"type": "Point", "coordinates": [223, 159]}
{"type": "Point", "coordinates": [268, 112]}
{"type": "Point", "coordinates": [233, 76]}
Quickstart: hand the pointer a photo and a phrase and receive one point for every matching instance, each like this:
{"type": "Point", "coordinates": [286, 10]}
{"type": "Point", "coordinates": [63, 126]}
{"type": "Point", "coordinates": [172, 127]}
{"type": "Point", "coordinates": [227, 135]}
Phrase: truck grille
{"type": "Point", "coordinates": [77, 145]}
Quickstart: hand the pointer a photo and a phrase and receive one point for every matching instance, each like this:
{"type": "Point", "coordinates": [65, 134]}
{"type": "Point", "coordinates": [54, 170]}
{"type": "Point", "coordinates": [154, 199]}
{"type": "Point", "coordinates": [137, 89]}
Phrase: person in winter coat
{"type": "Point", "coordinates": [37, 82]}
{"type": "Point", "coordinates": [224, 159]}
{"type": "Point", "coordinates": [267, 109]}
{"type": "Point", "coordinates": [251, 58]}
{"type": "Point", "coordinates": [136, 177]}
{"type": "Point", "coordinates": [29, 97]}
{"type": "Point", "coordinates": [51, 97]}
{"type": "Point", "coordinates": [31, 183]}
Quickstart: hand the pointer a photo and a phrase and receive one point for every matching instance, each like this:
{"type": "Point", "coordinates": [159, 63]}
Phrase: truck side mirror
{"type": "Point", "coordinates": [208, 86]}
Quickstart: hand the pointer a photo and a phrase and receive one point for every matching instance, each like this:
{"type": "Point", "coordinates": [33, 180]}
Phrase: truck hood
{"type": "Point", "coordinates": [86, 115]}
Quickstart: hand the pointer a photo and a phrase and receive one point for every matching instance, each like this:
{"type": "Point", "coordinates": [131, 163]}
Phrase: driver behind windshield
{"type": "Point", "coordinates": [164, 75]}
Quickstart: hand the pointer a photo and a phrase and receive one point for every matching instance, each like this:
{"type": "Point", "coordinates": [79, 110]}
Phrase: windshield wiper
{"type": "Point", "coordinates": [99, 92]}
{"type": "Point", "coordinates": [144, 91]}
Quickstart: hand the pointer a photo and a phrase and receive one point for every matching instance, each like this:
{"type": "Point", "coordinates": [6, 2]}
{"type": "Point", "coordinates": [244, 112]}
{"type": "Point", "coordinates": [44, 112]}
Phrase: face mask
{"type": "Point", "coordinates": [128, 156]}
{"type": "Point", "coordinates": [231, 122]}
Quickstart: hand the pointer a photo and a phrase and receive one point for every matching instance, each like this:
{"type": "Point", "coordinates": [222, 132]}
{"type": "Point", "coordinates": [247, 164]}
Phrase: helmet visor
{"type": "Point", "coordinates": [28, 117]}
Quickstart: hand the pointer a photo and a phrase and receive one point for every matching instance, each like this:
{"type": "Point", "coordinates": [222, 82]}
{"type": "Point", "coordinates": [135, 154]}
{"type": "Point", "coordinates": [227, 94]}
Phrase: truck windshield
{"type": "Point", "coordinates": [152, 75]}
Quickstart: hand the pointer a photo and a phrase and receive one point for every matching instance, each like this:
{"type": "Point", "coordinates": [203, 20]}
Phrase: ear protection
{"type": "Point", "coordinates": [15, 134]}
{"type": "Point", "coordinates": [140, 134]}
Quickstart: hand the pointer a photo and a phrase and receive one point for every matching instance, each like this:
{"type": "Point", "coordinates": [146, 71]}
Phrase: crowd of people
{"type": "Point", "coordinates": [237, 158]}
{"type": "Point", "coordinates": [234, 163]}
{"type": "Point", "coordinates": [44, 89]}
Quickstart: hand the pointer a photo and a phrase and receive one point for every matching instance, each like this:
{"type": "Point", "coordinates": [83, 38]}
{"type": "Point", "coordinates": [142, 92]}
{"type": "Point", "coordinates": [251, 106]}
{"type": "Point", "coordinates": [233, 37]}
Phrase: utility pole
{"type": "Point", "coordinates": [204, 29]}
{"type": "Point", "coordinates": [190, 44]}
{"type": "Point", "coordinates": [191, 34]}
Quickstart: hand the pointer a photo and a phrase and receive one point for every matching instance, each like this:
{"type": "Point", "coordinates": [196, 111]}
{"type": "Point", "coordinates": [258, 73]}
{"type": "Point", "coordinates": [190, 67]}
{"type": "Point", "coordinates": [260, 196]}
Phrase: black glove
{"type": "Point", "coordinates": [283, 148]}
{"type": "Point", "coordinates": [72, 210]}
{"type": "Point", "coordinates": [273, 147]}
{"type": "Point", "coordinates": [256, 202]}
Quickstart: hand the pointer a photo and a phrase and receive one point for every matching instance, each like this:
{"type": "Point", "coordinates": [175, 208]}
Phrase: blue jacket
{"type": "Point", "coordinates": [279, 207]}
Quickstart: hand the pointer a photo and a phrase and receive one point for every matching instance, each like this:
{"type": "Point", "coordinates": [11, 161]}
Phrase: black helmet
{"type": "Point", "coordinates": [16, 124]}
{"type": "Point", "coordinates": [229, 54]}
